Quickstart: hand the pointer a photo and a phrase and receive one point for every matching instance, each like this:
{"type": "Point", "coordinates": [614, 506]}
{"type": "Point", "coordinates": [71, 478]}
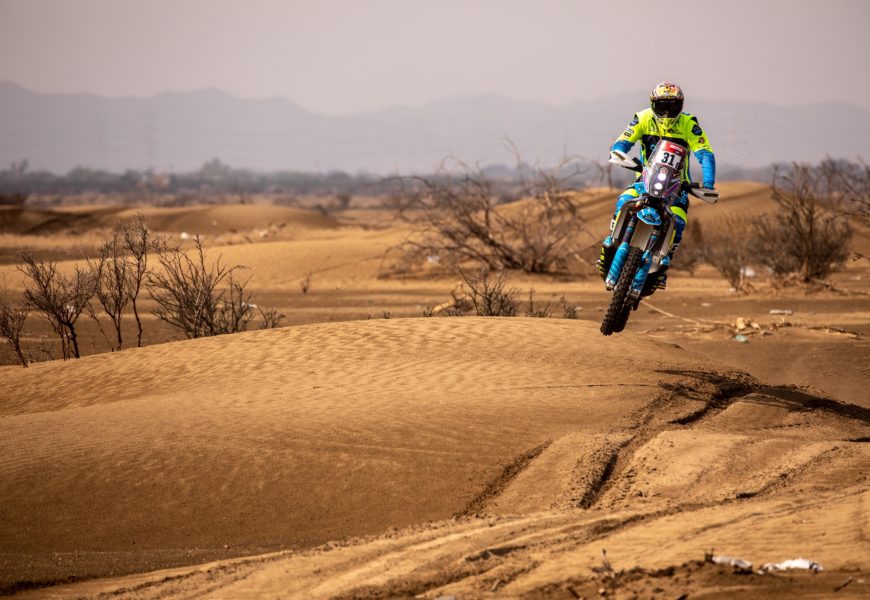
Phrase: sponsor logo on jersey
{"type": "Point", "coordinates": [696, 129]}
{"type": "Point", "coordinates": [628, 132]}
{"type": "Point", "coordinates": [702, 140]}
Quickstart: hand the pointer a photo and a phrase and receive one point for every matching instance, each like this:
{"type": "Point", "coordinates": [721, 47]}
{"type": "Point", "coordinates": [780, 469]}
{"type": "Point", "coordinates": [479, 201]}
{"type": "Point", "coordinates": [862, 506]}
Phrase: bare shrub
{"type": "Point", "coordinates": [188, 297]}
{"type": "Point", "coordinates": [458, 218]}
{"type": "Point", "coordinates": [542, 311]}
{"type": "Point", "coordinates": [138, 242]}
{"type": "Point", "coordinates": [808, 236]}
{"type": "Point", "coordinates": [569, 311]}
{"type": "Point", "coordinates": [850, 183]}
{"type": "Point", "coordinates": [488, 293]}
{"type": "Point", "coordinates": [12, 317]}
{"type": "Point", "coordinates": [186, 289]}
{"type": "Point", "coordinates": [271, 319]}
{"type": "Point", "coordinates": [343, 200]}
{"type": "Point", "coordinates": [728, 250]}
{"type": "Point", "coordinates": [305, 283]}
{"type": "Point", "coordinates": [60, 299]}
{"type": "Point", "coordinates": [119, 273]}
{"type": "Point", "coordinates": [111, 272]}
{"type": "Point", "coordinates": [234, 311]}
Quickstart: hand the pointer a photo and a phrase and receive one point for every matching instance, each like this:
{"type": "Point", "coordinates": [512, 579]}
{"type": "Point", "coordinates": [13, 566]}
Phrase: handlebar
{"type": "Point", "coordinates": [623, 160]}
{"type": "Point", "coordinates": [633, 164]}
{"type": "Point", "coordinates": [707, 195]}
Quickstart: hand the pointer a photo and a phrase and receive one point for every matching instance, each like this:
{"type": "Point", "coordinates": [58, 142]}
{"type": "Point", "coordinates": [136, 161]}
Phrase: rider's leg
{"type": "Point", "coordinates": [607, 247]}
{"type": "Point", "coordinates": [680, 210]}
{"type": "Point", "coordinates": [658, 280]}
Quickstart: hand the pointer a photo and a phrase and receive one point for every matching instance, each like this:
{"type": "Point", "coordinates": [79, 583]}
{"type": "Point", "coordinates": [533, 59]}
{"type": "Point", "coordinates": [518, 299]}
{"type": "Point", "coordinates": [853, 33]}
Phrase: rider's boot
{"type": "Point", "coordinates": [605, 257]}
{"type": "Point", "coordinates": [659, 279]}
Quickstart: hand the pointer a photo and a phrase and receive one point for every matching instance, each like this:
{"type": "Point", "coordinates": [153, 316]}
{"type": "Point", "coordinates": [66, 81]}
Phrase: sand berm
{"type": "Point", "coordinates": [404, 457]}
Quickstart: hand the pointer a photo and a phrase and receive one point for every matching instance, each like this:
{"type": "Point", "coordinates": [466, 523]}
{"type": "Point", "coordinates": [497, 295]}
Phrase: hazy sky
{"type": "Point", "coordinates": [338, 56]}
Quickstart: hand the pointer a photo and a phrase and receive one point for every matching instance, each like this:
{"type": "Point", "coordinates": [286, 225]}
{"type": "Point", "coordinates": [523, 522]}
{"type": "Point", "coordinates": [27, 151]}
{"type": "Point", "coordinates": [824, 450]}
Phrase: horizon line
{"type": "Point", "coordinates": [435, 100]}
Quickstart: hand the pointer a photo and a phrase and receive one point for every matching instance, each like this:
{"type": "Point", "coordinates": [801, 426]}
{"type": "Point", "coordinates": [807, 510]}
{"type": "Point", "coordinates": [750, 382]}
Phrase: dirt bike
{"type": "Point", "coordinates": [638, 248]}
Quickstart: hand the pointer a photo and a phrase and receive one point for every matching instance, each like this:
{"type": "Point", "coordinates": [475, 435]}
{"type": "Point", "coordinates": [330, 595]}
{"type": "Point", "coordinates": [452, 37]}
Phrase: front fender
{"type": "Point", "coordinates": [644, 235]}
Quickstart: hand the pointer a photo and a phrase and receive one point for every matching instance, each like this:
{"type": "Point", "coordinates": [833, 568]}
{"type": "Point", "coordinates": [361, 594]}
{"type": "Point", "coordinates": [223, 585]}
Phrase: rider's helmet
{"type": "Point", "coordinates": [666, 101]}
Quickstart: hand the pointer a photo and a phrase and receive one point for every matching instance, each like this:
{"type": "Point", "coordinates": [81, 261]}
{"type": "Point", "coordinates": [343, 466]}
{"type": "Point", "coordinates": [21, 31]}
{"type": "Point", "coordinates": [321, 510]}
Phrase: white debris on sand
{"type": "Point", "coordinates": [795, 563]}
{"type": "Point", "coordinates": [732, 561]}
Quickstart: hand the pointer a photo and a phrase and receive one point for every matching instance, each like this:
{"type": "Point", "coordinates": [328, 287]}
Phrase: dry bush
{"type": "Point", "coordinates": [271, 319]}
{"type": "Point", "coordinates": [305, 283]}
{"type": "Point", "coordinates": [808, 236]}
{"type": "Point", "coordinates": [138, 243]}
{"type": "Point", "coordinates": [458, 218]}
{"type": "Point", "coordinates": [542, 311]}
{"type": "Point", "coordinates": [12, 317]}
{"type": "Point", "coordinates": [850, 183]}
{"type": "Point", "coordinates": [60, 299]}
{"type": "Point", "coordinates": [569, 311]}
{"type": "Point", "coordinates": [119, 273]}
{"type": "Point", "coordinates": [728, 250]}
{"type": "Point", "coordinates": [188, 297]}
{"type": "Point", "coordinates": [488, 293]}
{"type": "Point", "coordinates": [111, 271]}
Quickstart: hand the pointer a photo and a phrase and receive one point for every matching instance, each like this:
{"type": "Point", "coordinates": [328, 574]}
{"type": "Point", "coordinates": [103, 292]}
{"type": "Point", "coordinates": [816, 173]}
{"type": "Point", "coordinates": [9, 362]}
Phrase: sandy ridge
{"type": "Point", "coordinates": [705, 458]}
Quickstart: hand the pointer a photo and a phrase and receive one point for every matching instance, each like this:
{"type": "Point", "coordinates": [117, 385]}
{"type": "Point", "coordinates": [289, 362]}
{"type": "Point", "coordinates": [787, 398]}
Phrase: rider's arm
{"type": "Point", "coordinates": [631, 134]}
{"type": "Point", "coordinates": [700, 145]}
{"type": "Point", "coordinates": [708, 167]}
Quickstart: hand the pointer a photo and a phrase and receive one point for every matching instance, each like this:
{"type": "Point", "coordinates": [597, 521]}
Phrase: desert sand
{"type": "Point", "coordinates": [349, 455]}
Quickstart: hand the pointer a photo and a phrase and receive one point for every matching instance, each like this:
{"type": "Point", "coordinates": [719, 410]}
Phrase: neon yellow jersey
{"type": "Point", "coordinates": [685, 130]}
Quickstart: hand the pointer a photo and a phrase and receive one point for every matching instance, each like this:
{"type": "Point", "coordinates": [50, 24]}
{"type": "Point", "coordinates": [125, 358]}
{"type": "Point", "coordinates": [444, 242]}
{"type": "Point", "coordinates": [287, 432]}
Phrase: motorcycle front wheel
{"type": "Point", "coordinates": [620, 305]}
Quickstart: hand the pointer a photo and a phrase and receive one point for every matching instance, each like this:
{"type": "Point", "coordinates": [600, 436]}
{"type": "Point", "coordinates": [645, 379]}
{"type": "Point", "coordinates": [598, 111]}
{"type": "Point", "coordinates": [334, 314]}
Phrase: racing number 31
{"type": "Point", "coordinates": [668, 158]}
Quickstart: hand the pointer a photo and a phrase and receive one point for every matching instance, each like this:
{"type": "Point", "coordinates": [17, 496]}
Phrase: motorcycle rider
{"type": "Point", "coordinates": [664, 119]}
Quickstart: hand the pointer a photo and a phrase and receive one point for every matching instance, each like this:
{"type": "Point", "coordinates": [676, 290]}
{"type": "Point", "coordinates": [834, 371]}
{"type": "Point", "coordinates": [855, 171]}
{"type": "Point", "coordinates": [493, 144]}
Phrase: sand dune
{"type": "Point", "coordinates": [196, 450]}
{"type": "Point", "coordinates": [404, 457]}
{"type": "Point", "coordinates": [201, 219]}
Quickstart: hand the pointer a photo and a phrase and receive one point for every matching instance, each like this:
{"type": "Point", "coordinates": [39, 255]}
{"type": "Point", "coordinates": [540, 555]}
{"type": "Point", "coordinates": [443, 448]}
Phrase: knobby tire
{"type": "Point", "coordinates": [620, 306]}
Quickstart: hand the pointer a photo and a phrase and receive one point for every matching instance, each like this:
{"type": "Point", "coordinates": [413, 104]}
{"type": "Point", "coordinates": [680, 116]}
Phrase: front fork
{"type": "Point", "coordinates": [622, 252]}
{"type": "Point", "coordinates": [643, 271]}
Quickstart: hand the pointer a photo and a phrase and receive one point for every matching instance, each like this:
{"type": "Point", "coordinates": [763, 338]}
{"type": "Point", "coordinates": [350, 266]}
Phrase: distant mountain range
{"type": "Point", "coordinates": [181, 131]}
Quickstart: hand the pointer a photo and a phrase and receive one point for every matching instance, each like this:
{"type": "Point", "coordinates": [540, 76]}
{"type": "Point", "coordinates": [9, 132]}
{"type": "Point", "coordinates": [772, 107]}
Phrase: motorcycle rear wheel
{"type": "Point", "coordinates": [617, 313]}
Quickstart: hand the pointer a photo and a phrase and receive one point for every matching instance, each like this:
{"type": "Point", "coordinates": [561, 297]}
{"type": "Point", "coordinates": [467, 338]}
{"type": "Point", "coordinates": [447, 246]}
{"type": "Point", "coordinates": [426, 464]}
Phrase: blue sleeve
{"type": "Point", "coordinates": [622, 146]}
{"type": "Point", "coordinates": [708, 166]}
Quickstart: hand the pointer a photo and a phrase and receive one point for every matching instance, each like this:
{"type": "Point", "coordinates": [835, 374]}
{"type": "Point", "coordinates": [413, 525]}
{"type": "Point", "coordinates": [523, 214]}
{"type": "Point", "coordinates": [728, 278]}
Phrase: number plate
{"type": "Point", "coordinates": [670, 154]}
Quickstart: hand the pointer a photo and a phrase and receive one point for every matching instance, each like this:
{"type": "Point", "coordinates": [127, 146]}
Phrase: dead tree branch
{"type": "Point", "coordinates": [458, 218]}
{"type": "Point", "coordinates": [60, 299]}
{"type": "Point", "coordinates": [12, 317]}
